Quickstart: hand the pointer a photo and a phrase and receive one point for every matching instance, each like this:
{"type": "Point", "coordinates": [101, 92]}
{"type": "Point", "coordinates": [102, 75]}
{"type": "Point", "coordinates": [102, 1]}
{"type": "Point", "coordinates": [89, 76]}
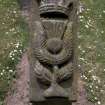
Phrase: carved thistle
{"type": "Point", "coordinates": [53, 53]}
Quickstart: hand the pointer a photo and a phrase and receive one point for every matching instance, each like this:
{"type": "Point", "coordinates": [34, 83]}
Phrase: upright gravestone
{"type": "Point", "coordinates": [52, 55]}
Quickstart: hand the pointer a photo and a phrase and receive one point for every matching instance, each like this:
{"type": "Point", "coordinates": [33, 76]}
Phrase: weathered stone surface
{"type": "Point", "coordinates": [19, 94]}
{"type": "Point", "coordinates": [52, 58]}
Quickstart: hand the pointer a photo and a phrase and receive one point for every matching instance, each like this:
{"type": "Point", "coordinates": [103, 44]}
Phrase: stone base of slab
{"type": "Point", "coordinates": [19, 94]}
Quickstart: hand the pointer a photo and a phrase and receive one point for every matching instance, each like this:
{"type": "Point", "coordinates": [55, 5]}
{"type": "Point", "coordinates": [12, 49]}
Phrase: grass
{"type": "Point", "coordinates": [92, 49]}
{"type": "Point", "coordinates": [14, 37]}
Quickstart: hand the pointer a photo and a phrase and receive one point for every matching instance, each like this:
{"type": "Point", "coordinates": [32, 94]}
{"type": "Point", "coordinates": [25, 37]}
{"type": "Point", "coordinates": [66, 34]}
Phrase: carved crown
{"type": "Point", "coordinates": [60, 6]}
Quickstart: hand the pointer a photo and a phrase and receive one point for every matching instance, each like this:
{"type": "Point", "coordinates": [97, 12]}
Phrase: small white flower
{"type": "Point", "coordinates": [15, 50]}
{"type": "Point", "coordinates": [82, 59]}
{"type": "Point", "coordinates": [102, 91]}
{"type": "Point", "coordinates": [83, 51]}
{"type": "Point", "coordinates": [102, 32]}
{"type": "Point", "coordinates": [88, 9]}
{"type": "Point", "coordinates": [94, 77]}
{"type": "Point", "coordinates": [7, 67]}
{"type": "Point", "coordinates": [6, 33]}
{"type": "Point", "coordinates": [90, 71]}
{"type": "Point", "coordinates": [13, 20]}
{"type": "Point", "coordinates": [96, 87]}
{"type": "Point", "coordinates": [13, 54]}
{"type": "Point", "coordinates": [13, 29]}
{"type": "Point", "coordinates": [81, 76]}
{"type": "Point", "coordinates": [79, 47]}
{"type": "Point", "coordinates": [89, 20]}
{"type": "Point", "coordinates": [86, 26]}
{"type": "Point", "coordinates": [85, 77]}
{"type": "Point", "coordinates": [90, 86]}
{"type": "Point", "coordinates": [95, 98]}
{"type": "Point", "coordinates": [20, 50]}
{"type": "Point", "coordinates": [1, 74]}
{"type": "Point", "coordinates": [14, 11]}
{"type": "Point", "coordinates": [92, 91]}
{"type": "Point", "coordinates": [81, 17]}
{"type": "Point", "coordinates": [79, 65]}
{"type": "Point", "coordinates": [81, 20]}
{"type": "Point", "coordinates": [103, 11]}
{"type": "Point", "coordinates": [3, 71]}
{"type": "Point", "coordinates": [11, 71]}
{"type": "Point", "coordinates": [89, 47]}
{"type": "Point", "coordinates": [99, 81]}
{"type": "Point", "coordinates": [99, 103]}
{"type": "Point", "coordinates": [99, 55]}
{"type": "Point", "coordinates": [17, 44]}
{"type": "Point", "coordinates": [12, 58]}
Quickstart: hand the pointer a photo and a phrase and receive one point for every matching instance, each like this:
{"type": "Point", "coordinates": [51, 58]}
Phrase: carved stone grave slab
{"type": "Point", "coordinates": [54, 77]}
{"type": "Point", "coordinates": [52, 55]}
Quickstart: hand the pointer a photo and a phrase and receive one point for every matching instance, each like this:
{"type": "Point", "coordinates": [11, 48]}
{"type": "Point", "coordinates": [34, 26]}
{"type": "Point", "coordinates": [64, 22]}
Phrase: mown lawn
{"type": "Point", "coordinates": [91, 36]}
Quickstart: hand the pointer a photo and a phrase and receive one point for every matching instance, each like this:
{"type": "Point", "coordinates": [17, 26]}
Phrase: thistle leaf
{"type": "Point", "coordinates": [42, 73]}
{"type": "Point", "coordinates": [64, 73]}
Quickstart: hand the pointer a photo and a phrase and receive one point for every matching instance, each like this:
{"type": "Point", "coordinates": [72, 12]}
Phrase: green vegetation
{"type": "Point", "coordinates": [14, 35]}
{"type": "Point", "coordinates": [13, 38]}
{"type": "Point", "coordinates": [92, 48]}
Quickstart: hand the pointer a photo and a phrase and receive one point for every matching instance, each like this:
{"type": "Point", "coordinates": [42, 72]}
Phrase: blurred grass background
{"type": "Point", "coordinates": [92, 48]}
{"type": "Point", "coordinates": [13, 39]}
{"type": "Point", "coordinates": [91, 36]}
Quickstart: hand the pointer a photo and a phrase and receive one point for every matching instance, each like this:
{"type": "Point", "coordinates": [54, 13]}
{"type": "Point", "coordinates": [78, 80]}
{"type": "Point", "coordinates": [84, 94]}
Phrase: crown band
{"type": "Point", "coordinates": [53, 8]}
